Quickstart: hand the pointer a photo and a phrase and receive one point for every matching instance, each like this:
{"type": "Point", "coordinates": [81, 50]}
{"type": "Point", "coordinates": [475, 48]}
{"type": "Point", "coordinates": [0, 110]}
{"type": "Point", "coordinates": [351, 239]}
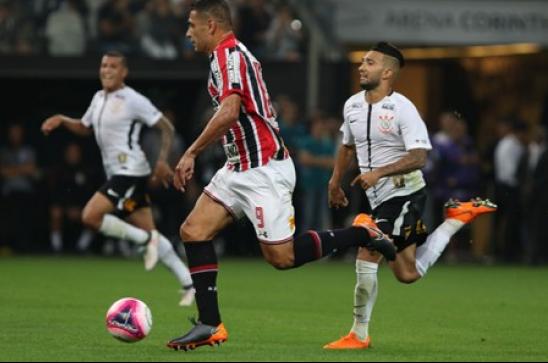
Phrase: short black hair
{"type": "Point", "coordinates": [117, 54]}
{"type": "Point", "coordinates": [390, 50]}
{"type": "Point", "coordinates": [218, 9]}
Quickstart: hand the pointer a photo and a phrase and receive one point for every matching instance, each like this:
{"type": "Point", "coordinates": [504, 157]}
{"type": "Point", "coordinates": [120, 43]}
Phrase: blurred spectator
{"type": "Point", "coordinates": [284, 36]}
{"type": "Point", "coordinates": [17, 30]}
{"type": "Point", "coordinates": [538, 210]}
{"type": "Point", "coordinates": [115, 27]}
{"type": "Point", "coordinates": [19, 172]}
{"type": "Point", "coordinates": [508, 155]}
{"type": "Point", "coordinates": [71, 186]}
{"type": "Point", "coordinates": [181, 11]}
{"type": "Point", "coordinates": [531, 173]}
{"type": "Point", "coordinates": [8, 27]}
{"type": "Point", "coordinates": [159, 30]}
{"type": "Point", "coordinates": [253, 22]}
{"type": "Point", "coordinates": [316, 157]}
{"type": "Point", "coordinates": [292, 128]}
{"type": "Point", "coordinates": [156, 28]}
{"type": "Point", "coordinates": [456, 174]}
{"type": "Point", "coordinates": [446, 121]}
{"type": "Point", "coordinates": [457, 164]}
{"type": "Point", "coordinates": [66, 31]}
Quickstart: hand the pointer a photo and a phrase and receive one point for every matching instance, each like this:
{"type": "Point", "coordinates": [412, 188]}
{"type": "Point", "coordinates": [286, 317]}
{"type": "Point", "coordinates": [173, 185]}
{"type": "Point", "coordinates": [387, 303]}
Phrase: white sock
{"type": "Point", "coordinates": [56, 239]}
{"type": "Point", "coordinates": [85, 240]}
{"type": "Point", "coordinates": [115, 227]}
{"type": "Point", "coordinates": [170, 258]}
{"type": "Point", "coordinates": [431, 250]}
{"type": "Point", "coordinates": [365, 296]}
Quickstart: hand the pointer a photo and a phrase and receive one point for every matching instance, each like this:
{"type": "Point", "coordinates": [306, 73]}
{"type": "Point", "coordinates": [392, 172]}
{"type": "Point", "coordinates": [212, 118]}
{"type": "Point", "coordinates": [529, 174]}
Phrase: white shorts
{"type": "Point", "coordinates": [263, 194]}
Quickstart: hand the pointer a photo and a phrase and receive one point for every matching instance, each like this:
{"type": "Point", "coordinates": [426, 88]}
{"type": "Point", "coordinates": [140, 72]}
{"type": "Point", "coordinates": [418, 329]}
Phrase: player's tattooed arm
{"type": "Point", "coordinates": [167, 131]}
{"type": "Point", "coordinates": [162, 170]}
{"type": "Point", "coordinates": [414, 160]}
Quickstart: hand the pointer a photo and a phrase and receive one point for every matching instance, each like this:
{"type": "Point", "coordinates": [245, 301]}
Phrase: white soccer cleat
{"type": "Point", "coordinates": [188, 297]}
{"type": "Point", "coordinates": [151, 256]}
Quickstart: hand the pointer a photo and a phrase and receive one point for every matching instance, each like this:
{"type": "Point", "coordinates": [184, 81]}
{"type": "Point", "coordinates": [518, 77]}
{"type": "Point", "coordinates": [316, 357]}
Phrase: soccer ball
{"type": "Point", "coordinates": [129, 320]}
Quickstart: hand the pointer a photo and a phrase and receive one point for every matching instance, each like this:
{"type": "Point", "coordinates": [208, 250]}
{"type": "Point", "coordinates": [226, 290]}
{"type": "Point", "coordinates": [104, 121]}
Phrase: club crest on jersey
{"type": "Point", "coordinates": [122, 158]}
{"type": "Point", "coordinates": [385, 123]}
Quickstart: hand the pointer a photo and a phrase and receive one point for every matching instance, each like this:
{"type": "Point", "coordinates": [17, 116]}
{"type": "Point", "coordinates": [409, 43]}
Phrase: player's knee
{"type": "Point", "coordinates": [281, 262]}
{"type": "Point", "coordinates": [407, 278]}
{"type": "Point", "coordinates": [91, 220]}
{"type": "Point", "coordinates": [190, 231]}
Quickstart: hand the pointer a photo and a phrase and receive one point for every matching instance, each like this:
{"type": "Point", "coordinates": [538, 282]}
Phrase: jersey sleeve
{"type": "Point", "coordinates": [145, 111]}
{"type": "Point", "coordinates": [347, 137]}
{"type": "Point", "coordinates": [87, 118]}
{"type": "Point", "coordinates": [229, 76]}
{"type": "Point", "coordinates": [413, 128]}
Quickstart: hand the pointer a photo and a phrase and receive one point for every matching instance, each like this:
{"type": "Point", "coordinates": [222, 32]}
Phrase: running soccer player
{"type": "Point", "coordinates": [257, 181]}
{"type": "Point", "coordinates": [384, 129]}
{"type": "Point", "coordinates": [116, 114]}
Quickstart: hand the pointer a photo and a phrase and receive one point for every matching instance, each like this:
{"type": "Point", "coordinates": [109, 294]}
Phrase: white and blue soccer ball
{"type": "Point", "coordinates": [129, 320]}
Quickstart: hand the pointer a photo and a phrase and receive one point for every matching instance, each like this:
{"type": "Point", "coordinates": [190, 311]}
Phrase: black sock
{"type": "Point", "coordinates": [202, 263]}
{"type": "Point", "coordinates": [312, 246]}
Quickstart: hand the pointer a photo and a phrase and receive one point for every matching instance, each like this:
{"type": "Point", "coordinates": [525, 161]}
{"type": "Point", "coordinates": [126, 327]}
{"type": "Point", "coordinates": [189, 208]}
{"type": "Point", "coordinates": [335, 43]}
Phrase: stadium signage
{"type": "Point", "coordinates": [441, 22]}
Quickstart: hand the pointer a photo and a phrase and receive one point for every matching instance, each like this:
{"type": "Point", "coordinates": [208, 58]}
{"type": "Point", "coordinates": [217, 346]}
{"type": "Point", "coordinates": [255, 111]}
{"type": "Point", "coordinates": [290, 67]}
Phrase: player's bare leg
{"type": "Point", "coordinates": [458, 214]}
{"type": "Point", "coordinates": [205, 221]}
{"type": "Point", "coordinates": [97, 216]}
{"type": "Point", "coordinates": [160, 248]}
{"type": "Point", "coordinates": [365, 296]}
{"type": "Point", "coordinates": [413, 262]}
{"type": "Point", "coordinates": [312, 246]}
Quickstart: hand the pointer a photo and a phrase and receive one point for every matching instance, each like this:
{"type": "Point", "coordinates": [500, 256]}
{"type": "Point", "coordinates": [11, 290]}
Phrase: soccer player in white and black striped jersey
{"type": "Point", "coordinates": [384, 130]}
{"type": "Point", "coordinates": [116, 115]}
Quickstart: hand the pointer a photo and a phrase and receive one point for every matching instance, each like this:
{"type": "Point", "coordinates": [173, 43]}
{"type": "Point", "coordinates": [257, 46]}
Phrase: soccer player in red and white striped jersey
{"type": "Point", "coordinates": [253, 140]}
{"type": "Point", "coordinates": [256, 182]}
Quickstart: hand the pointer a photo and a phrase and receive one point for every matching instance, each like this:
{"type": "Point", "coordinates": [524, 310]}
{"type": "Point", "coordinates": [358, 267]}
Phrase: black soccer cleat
{"type": "Point", "coordinates": [200, 335]}
{"type": "Point", "coordinates": [379, 241]}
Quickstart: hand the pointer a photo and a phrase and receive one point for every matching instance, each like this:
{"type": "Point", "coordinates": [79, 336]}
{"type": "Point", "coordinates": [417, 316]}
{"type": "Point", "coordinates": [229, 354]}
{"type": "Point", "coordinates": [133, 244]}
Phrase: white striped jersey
{"type": "Point", "coordinates": [254, 139]}
{"type": "Point", "coordinates": [383, 133]}
{"type": "Point", "coordinates": [117, 118]}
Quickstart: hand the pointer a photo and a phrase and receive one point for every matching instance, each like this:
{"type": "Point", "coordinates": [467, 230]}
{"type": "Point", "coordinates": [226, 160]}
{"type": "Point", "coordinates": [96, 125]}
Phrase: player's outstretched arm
{"type": "Point", "coordinates": [345, 155]}
{"type": "Point", "coordinates": [218, 126]}
{"type": "Point", "coordinates": [162, 170]}
{"type": "Point", "coordinates": [73, 125]}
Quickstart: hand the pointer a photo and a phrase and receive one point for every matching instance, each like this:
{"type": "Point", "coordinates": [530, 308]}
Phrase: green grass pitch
{"type": "Point", "coordinates": [52, 309]}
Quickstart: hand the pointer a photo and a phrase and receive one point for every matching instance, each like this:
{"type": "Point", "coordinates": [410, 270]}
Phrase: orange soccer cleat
{"type": "Point", "coordinates": [466, 212]}
{"type": "Point", "coordinates": [351, 341]}
{"type": "Point", "coordinates": [200, 335]}
{"type": "Point", "coordinates": [379, 241]}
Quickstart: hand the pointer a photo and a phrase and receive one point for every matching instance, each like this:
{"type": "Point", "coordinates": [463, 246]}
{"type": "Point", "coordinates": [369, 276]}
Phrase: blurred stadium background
{"type": "Point", "coordinates": [485, 60]}
{"type": "Point", "coordinates": [477, 71]}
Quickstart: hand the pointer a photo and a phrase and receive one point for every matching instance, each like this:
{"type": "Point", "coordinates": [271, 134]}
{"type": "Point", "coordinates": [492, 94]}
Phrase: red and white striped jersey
{"type": "Point", "coordinates": [254, 139]}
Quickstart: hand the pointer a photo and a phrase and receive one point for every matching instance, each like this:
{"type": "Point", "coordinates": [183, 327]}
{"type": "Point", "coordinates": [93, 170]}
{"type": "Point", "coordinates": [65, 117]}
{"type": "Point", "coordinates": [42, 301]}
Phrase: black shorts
{"type": "Point", "coordinates": [127, 193]}
{"type": "Point", "coordinates": [401, 219]}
